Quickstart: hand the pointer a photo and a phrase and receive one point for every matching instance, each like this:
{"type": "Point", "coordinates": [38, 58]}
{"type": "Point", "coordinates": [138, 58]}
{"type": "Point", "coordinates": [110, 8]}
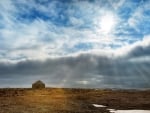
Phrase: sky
{"type": "Point", "coordinates": [75, 43]}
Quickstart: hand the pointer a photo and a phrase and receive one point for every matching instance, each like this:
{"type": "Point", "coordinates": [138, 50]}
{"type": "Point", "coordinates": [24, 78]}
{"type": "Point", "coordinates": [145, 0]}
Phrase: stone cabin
{"type": "Point", "coordinates": [38, 85]}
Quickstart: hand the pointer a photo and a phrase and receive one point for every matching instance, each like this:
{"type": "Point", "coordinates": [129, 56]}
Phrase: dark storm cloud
{"type": "Point", "coordinates": [85, 70]}
{"type": "Point", "coordinates": [140, 51]}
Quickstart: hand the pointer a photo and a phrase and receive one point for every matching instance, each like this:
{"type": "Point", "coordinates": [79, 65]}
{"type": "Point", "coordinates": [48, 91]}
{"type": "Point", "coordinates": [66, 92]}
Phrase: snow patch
{"type": "Point", "coordinates": [129, 111]}
{"type": "Point", "coordinates": [96, 105]}
{"type": "Point", "coordinates": [122, 111]}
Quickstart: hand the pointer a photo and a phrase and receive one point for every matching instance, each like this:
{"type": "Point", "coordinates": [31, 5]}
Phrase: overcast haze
{"type": "Point", "coordinates": [75, 43]}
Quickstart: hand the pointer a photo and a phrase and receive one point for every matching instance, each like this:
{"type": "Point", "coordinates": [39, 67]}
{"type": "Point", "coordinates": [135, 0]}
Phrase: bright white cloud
{"type": "Point", "coordinates": [41, 39]}
{"type": "Point", "coordinates": [116, 3]}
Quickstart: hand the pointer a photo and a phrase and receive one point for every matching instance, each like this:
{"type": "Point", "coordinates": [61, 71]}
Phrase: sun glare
{"type": "Point", "coordinates": [107, 23]}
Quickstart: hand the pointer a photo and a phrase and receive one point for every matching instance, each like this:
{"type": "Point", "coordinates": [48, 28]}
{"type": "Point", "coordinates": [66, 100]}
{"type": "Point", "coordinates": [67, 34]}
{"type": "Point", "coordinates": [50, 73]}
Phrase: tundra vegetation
{"type": "Point", "coordinates": [67, 100]}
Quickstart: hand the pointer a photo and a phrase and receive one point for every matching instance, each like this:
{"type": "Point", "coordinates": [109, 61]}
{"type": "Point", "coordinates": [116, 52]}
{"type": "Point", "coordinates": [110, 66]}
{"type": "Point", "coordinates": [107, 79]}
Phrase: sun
{"type": "Point", "coordinates": [107, 23]}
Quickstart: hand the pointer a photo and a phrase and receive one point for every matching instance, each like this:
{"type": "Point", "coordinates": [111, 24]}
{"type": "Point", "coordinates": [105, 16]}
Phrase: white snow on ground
{"type": "Point", "coordinates": [112, 110]}
{"type": "Point", "coordinates": [130, 111]}
{"type": "Point", "coordinates": [96, 105]}
{"type": "Point", "coordinates": [122, 111]}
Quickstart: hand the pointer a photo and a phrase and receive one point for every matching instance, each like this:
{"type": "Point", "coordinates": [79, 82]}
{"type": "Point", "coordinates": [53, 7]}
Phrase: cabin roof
{"type": "Point", "coordinates": [38, 82]}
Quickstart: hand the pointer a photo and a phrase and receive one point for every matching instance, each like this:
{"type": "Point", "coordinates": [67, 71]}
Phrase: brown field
{"type": "Point", "coordinates": [60, 100]}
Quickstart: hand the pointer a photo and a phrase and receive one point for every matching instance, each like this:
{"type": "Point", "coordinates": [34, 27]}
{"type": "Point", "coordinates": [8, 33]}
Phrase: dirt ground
{"type": "Point", "coordinates": [60, 100]}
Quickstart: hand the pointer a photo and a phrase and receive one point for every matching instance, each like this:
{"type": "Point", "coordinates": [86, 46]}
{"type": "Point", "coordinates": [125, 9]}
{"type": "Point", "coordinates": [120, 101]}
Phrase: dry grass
{"type": "Point", "coordinates": [56, 100]}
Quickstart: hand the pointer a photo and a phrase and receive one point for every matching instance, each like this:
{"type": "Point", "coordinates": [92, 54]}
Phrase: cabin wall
{"type": "Point", "coordinates": [38, 86]}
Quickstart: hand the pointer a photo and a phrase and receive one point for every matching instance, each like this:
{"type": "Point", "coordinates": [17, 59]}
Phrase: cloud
{"type": "Point", "coordinates": [140, 17]}
{"type": "Point", "coordinates": [54, 28]}
{"type": "Point", "coordinates": [63, 43]}
{"type": "Point", "coordinates": [83, 70]}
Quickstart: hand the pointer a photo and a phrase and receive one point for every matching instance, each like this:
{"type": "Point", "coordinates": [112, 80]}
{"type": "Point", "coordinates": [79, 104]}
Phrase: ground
{"type": "Point", "coordinates": [63, 100]}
